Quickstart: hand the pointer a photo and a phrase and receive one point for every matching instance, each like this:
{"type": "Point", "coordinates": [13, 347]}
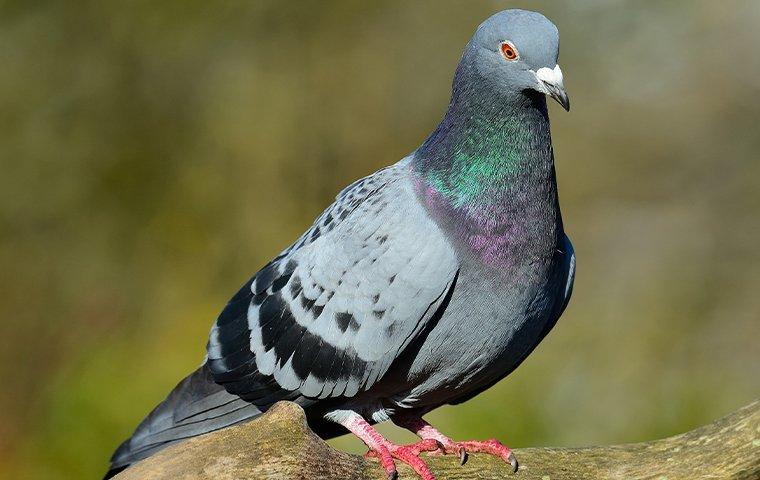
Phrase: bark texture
{"type": "Point", "coordinates": [279, 445]}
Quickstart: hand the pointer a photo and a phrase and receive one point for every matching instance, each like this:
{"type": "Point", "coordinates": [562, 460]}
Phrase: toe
{"type": "Point", "coordinates": [409, 454]}
{"type": "Point", "coordinates": [386, 460]}
{"type": "Point", "coordinates": [429, 445]}
{"type": "Point", "coordinates": [493, 447]}
{"type": "Point", "coordinates": [412, 459]}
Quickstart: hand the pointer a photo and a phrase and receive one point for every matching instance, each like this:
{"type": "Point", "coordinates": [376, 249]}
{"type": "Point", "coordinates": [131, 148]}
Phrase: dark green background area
{"type": "Point", "coordinates": [154, 155]}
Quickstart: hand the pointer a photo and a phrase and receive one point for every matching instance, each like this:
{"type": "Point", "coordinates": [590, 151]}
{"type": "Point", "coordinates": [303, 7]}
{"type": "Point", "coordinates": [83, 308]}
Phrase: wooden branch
{"type": "Point", "coordinates": [279, 445]}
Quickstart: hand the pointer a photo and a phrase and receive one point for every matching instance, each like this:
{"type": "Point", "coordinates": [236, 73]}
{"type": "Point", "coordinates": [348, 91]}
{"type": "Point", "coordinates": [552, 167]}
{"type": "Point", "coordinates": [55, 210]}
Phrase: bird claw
{"type": "Point", "coordinates": [513, 462]}
{"type": "Point", "coordinates": [462, 456]}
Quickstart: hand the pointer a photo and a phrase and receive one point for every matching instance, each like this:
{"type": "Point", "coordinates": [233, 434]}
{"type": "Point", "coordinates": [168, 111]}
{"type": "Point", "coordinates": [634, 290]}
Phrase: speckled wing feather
{"type": "Point", "coordinates": [329, 315]}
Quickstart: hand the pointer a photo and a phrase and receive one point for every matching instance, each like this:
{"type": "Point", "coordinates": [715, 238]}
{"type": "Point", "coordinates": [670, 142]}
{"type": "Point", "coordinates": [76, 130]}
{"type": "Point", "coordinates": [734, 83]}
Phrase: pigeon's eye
{"type": "Point", "coordinates": [509, 51]}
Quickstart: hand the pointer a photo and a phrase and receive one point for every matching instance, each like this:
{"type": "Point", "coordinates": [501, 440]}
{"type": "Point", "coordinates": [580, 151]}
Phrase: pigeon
{"type": "Point", "coordinates": [422, 285]}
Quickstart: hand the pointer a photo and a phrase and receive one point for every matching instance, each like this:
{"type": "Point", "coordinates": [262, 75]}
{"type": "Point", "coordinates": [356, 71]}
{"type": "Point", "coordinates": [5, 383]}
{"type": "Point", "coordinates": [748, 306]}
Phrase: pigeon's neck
{"type": "Point", "coordinates": [487, 173]}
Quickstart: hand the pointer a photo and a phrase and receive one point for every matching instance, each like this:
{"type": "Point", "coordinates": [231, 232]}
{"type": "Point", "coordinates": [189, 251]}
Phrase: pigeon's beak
{"type": "Point", "coordinates": [550, 81]}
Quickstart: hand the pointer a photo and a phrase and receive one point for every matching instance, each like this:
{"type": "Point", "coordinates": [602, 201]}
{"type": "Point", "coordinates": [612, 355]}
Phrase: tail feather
{"type": "Point", "coordinates": [197, 405]}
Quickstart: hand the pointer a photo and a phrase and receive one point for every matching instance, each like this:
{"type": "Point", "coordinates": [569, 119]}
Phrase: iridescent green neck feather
{"type": "Point", "coordinates": [487, 174]}
{"type": "Point", "coordinates": [478, 164]}
{"type": "Point", "coordinates": [481, 151]}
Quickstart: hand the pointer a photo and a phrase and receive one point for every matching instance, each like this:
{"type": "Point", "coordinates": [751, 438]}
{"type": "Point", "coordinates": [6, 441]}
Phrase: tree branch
{"type": "Point", "coordinates": [279, 445]}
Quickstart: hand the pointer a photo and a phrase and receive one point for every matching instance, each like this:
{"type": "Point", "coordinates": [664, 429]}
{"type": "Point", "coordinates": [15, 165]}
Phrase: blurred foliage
{"type": "Point", "coordinates": [155, 154]}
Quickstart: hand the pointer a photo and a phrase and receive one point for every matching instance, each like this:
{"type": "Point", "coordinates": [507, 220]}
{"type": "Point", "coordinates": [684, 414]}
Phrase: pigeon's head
{"type": "Point", "coordinates": [515, 52]}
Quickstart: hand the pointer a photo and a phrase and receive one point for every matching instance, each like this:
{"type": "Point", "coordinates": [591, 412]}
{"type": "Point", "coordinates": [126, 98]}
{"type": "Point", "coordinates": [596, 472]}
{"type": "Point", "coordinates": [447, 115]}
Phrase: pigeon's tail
{"type": "Point", "coordinates": [197, 405]}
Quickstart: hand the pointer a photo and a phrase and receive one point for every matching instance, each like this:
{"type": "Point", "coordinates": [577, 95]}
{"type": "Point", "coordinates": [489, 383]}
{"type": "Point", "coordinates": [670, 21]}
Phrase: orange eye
{"type": "Point", "coordinates": [509, 51]}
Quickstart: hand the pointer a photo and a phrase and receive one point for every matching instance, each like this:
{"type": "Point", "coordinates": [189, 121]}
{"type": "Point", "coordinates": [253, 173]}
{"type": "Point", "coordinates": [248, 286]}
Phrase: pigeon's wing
{"type": "Point", "coordinates": [569, 252]}
{"type": "Point", "coordinates": [329, 315]}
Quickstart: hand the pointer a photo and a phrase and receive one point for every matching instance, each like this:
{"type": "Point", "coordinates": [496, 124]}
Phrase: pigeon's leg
{"type": "Point", "coordinates": [386, 451]}
{"type": "Point", "coordinates": [424, 430]}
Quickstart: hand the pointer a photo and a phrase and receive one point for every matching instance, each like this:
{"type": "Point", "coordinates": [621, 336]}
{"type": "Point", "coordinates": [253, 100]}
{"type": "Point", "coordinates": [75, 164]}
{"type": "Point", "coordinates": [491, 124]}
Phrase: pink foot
{"type": "Point", "coordinates": [450, 447]}
{"type": "Point", "coordinates": [409, 454]}
{"type": "Point", "coordinates": [386, 451]}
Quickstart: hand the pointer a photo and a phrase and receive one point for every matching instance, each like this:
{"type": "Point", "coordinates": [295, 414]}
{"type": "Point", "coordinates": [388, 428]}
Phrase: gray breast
{"type": "Point", "coordinates": [489, 327]}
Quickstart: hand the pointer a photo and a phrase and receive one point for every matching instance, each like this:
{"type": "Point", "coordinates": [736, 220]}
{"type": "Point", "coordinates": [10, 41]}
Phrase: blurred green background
{"type": "Point", "coordinates": [156, 154]}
